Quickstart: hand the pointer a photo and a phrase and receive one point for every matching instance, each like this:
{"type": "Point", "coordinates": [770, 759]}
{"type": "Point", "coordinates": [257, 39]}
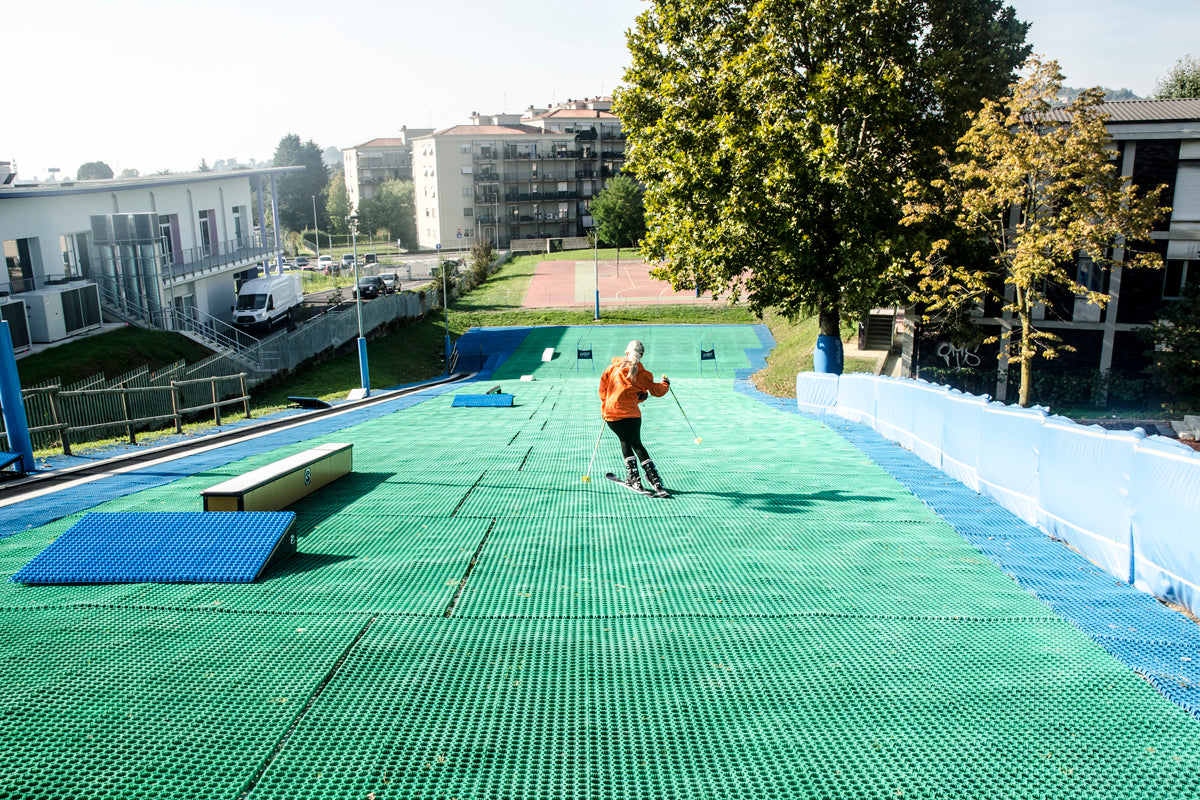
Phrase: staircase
{"type": "Point", "coordinates": [876, 331]}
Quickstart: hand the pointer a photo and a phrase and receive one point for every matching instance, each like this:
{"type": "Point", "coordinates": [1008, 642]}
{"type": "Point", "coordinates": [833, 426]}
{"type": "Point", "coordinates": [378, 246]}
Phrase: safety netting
{"type": "Point", "coordinates": [467, 618]}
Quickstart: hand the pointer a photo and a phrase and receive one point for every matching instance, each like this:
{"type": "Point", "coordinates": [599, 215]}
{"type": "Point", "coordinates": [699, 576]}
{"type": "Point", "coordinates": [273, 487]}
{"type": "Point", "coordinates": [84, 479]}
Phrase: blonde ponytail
{"type": "Point", "coordinates": [633, 359]}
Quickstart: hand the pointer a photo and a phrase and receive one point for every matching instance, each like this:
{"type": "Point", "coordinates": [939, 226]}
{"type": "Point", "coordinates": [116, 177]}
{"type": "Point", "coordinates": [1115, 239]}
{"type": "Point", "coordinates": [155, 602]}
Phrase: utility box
{"type": "Point", "coordinates": [58, 312]}
{"type": "Point", "coordinates": [12, 311]}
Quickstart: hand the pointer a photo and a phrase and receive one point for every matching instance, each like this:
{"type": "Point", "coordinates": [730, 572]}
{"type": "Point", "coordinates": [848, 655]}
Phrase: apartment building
{"type": "Point", "coordinates": [1155, 142]}
{"type": "Point", "coordinates": [515, 176]}
{"type": "Point", "coordinates": [369, 164]}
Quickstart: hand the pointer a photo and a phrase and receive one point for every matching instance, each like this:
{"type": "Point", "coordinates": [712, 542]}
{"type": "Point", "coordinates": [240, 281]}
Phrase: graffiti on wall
{"type": "Point", "coordinates": [959, 357]}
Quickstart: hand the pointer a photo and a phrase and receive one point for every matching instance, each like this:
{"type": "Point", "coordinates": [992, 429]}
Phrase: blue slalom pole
{"type": "Point", "coordinates": [13, 406]}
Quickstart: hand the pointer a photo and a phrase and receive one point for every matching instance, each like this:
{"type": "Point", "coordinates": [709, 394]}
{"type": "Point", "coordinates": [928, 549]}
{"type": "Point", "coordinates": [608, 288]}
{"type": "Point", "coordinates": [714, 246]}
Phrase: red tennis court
{"type": "Point", "coordinates": [573, 283]}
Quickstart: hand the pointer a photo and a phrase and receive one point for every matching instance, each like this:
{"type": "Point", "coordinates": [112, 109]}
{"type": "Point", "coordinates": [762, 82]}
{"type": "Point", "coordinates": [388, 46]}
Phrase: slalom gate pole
{"type": "Point", "coordinates": [588, 475]}
{"type": "Point", "coordinates": [681, 411]}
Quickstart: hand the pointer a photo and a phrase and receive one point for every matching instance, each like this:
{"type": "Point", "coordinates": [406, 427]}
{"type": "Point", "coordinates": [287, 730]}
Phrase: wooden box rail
{"type": "Point", "coordinates": [276, 486]}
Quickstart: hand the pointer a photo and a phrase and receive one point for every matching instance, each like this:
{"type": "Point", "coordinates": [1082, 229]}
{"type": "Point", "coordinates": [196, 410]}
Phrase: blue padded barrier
{"type": "Point", "coordinates": [170, 547]}
{"type": "Point", "coordinates": [482, 401]}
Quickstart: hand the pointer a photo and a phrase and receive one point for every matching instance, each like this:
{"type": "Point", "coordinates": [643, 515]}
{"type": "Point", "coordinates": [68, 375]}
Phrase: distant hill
{"type": "Point", "coordinates": [1068, 94]}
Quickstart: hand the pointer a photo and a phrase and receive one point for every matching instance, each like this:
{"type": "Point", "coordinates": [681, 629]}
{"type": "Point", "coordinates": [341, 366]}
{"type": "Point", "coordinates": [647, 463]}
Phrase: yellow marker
{"type": "Point", "coordinates": [586, 479]}
{"type": "Point", "coordinates": [698, 440]}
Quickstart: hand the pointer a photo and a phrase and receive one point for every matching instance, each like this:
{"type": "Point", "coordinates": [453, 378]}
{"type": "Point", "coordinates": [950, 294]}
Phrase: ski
{"type": "Point", "coordinates": [612, 477]}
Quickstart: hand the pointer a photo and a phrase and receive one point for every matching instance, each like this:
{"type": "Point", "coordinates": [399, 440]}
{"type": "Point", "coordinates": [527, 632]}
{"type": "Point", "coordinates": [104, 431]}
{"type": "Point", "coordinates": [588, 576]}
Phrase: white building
{"type": "Point", "coordinates": [369, 164]}
{"type": "Point", "coordinates": [165, 251]}
{"type": "Point", "coordinates": [515, 176]}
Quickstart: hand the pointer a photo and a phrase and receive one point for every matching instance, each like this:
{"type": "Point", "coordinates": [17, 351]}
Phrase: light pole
{"type": "Point", "coordinates": [363, 372]}
{"type": "Point", "coordinates": [596, 267]}
{"type": "Point", "coordinates": [445, 306]}
{"type": "Point", "coordinates": [315, 228]}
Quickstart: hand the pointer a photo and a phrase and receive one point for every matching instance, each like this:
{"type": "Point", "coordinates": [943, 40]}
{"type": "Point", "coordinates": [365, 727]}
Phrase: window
{"type": "Point", "coordinates": [468, 212]}
{"type": "Point", "coordinates": [468, 232]}
{"type": "Point", "coordinates": [1175, 276]}
{"type": "Point", "coordinates": [467, 191]}
{"type": "Point", "coordinates": [466, 169]}
{"type": "Point", "coordinates": [1088, 275]}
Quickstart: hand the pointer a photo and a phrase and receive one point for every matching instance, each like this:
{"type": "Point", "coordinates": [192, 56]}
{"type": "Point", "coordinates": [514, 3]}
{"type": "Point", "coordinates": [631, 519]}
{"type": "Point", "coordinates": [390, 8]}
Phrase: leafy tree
{"type": "Point", "coordinates": [93, 170]}
{"type": "Point", "coordinates": [1181, 80]}
{"type": "Point", "coordinates": [129, 172]}
{"type": "Point", "coordinates": [393, 208]}
{"type": "Point", "coordinates": [337, 205]}
{"type": "Point", "coordinates": [1177, 353]}
{"type": "Point", "coordinates": [774, 137]}
{"type": "Point", "coordinates": [204, 167]}
{"type": "Point", "coordinates": [297, 190]}
{"type": "Point", "coordinates": [483, 253]}
{"type": "Point", "coordinates": [620, 213]}
{"type": "Point", "coordinates": [1052, 166]}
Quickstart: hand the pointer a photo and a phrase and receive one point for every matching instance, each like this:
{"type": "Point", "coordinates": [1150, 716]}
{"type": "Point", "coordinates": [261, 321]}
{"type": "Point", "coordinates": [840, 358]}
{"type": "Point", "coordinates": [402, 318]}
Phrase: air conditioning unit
{"type": "Point", "coordinates": [12, 311]}
{"type": "Point", "coordinates": [59, 312]}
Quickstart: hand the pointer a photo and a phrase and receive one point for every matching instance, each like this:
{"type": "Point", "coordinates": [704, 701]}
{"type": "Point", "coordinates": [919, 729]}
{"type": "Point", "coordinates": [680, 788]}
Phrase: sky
{"type": "Point", "coordinates": [153, 85]}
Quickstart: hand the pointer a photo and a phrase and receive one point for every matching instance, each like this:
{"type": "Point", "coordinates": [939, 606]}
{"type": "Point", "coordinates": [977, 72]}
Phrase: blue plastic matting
{"type": "Point", "coordinates": [8, 459]}
{"type": "Point", "coordinates": [171, 547]}
{"type": "Point", "coordinates": [482, 401]}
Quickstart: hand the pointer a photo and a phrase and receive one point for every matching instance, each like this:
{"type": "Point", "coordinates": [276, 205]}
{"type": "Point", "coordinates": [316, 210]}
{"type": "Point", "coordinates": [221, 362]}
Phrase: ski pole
{"type": "Point", "coordinates": [587, 478]}
{"type": "Point", "coordinates": [681, 411]}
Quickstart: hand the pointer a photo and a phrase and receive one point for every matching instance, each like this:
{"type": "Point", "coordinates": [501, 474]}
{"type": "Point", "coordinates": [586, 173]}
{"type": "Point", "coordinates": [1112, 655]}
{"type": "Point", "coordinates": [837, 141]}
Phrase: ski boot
{"type": "Point", "coordinates": [634, 481]}
{"type": "Point", "coordinates": [654, 479]}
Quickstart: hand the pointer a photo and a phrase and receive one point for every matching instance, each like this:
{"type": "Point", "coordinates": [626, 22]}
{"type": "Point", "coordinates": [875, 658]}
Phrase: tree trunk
{"type": "Point", "coordinates": [1026, 362]}
{"type": "Point", "coordinates": [830, 320]}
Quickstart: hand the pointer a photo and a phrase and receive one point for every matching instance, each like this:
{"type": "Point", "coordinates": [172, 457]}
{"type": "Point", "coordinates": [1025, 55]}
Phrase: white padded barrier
{"type": "Point", "coordinates": [1008, 458]}
{"type": "Point", "coordinates": [1165, 490]}
{"type": "Point", "coordinates": [1127, 502]}
{"type": "Point", "coordinates": [962, 436]}
{"type": "Point", "coordinates": [1084, 487]}
{"type": "Point", "coordinates": [816, 392]}
{"type": "Point", "coordinates": [856, 398]}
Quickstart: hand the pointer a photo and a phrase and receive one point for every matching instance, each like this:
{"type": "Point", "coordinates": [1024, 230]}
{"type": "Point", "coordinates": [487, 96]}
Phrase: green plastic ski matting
{"type": "Point", "coordinates": [131, 702]}
{"type": "Point", "coordinates": [380, 564]}
{"type": "Point", "coordinates": [791, 623]}
{"type": "Point", "coordinates": [655, 566]}
{"type": "Point", "coordinates": [837, 707]}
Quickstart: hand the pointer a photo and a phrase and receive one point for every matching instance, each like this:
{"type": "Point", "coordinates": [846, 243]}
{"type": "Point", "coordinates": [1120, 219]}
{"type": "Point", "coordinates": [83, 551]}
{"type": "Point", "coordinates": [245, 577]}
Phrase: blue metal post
{"type": "Point", "coordinates": [13, 406]}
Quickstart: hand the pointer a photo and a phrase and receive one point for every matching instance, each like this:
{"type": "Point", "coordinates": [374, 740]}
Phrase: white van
{"type": "Point", "coordinates": [263, 302]}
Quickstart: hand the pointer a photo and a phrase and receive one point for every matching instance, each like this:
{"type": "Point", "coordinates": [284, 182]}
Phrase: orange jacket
{"type": "Point", "coordinates": [619, 396]}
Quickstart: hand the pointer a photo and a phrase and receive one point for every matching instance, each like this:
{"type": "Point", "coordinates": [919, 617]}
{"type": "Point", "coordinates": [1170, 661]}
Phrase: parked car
{"type": "Point", "coordinates": [391, 281]}
{"type": "Point", "coordinates": [348, 260]}
{"type": "Point", "coordinates": [301, 261]}
{"type": "Point", "coordinates": [369, 258]}
{"type": "Point", "coordinates": [325, 264]}
{"type": "Point", "coordinates": [370, 286]}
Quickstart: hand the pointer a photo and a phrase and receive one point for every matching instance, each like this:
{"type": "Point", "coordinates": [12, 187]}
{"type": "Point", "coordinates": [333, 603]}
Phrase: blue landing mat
{"type": "Point", "coordinates": [173, 547]}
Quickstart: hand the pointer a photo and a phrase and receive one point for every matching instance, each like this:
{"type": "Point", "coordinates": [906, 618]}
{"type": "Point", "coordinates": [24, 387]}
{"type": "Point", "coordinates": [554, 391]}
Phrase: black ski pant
{"type": "Point", "coordinates": [629, 433]}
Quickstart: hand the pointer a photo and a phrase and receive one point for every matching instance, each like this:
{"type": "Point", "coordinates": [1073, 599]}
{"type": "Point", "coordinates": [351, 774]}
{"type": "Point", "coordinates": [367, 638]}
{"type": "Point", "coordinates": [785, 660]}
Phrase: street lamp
{"type": "Point", "coordinates": [445, 306]}
{"type": "Point", "coordinates": [363, 372]}
{"type": "Point", "coordinates": [315, 228]}
{"type": "Point", "coordinates": [596, 266]}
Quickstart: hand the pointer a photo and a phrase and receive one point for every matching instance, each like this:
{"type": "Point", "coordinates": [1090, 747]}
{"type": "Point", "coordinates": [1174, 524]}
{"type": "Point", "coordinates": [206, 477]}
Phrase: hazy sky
{"type": "Point", "coordinates": [157, 85]}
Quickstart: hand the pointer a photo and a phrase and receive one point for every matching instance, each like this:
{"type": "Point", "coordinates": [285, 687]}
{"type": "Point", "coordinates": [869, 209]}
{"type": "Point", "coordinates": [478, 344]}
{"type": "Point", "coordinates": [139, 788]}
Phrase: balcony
{"type": "Point", "coordinates": [185, 263]}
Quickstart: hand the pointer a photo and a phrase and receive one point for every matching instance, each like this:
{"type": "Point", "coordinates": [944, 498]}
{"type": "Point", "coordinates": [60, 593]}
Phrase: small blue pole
{"type": "Point", "coordinates": [363, 372]}
{"type": "Point", "coordinates": [15, 422]}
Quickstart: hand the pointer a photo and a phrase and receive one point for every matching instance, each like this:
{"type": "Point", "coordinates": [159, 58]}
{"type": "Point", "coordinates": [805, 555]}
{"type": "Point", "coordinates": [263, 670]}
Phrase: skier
{"type": "Point", "coordinates": [623, 386]}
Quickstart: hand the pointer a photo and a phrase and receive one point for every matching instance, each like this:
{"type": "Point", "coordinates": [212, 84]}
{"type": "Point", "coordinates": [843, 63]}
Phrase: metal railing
{"type": "Point", "coordinates": [216, 331]}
